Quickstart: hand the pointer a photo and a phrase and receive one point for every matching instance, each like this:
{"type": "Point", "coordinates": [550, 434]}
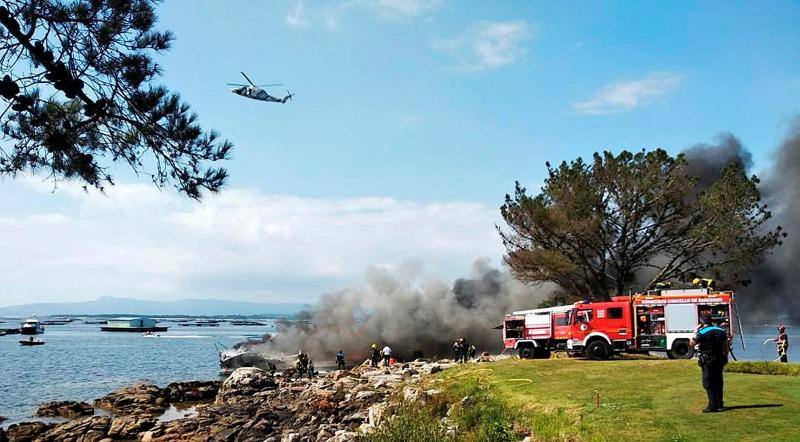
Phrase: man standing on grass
{"type": "Point", "coordinates": [782, 344]}
{"type": "Point", "coordinates": [712, 347]}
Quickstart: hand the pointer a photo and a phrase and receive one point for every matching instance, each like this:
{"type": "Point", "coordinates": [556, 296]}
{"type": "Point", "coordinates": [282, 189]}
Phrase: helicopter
{"type": "Point", "coordinates": [255, 92]}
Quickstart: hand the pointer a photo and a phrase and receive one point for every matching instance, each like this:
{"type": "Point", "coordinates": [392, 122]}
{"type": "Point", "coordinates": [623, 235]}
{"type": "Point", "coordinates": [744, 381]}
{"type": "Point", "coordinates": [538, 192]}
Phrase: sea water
{"type": "Point", "coordinates": [79, 362]}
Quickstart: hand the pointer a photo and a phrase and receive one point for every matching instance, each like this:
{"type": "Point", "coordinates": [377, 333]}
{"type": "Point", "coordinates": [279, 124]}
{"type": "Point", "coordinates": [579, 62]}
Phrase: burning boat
{"type": "Point", "coordinates": [243, 355]}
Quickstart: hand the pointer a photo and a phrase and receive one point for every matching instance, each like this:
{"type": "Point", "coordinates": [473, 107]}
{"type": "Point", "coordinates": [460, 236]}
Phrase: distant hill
{"type": "Point", "coordinates": [109, 305]}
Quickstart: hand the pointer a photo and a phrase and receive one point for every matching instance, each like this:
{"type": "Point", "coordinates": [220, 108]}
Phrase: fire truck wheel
{"type": "Point", "coordinates": [598, 350]}
{"type": "Point", "coordinates": [541, 353]}
{"type": "Point", "coordinates": [680, 350]}
{"type": "Point", "coordinates": [525, 353]}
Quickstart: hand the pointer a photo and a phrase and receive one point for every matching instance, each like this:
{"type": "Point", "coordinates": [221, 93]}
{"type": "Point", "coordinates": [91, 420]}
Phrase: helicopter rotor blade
{"type": "Point", "coordinates": [268, 85]}
{"type": "Point", "coordinates": [236, 84]}
{"type": "Point", "coordinates": [248, 79]}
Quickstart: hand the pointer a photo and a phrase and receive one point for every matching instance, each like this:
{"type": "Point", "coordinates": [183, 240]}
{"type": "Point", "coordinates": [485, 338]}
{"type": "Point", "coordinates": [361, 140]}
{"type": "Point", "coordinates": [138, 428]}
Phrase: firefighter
{"type": "Point", "coordinates": [374, 355]}
{"type": "Point", "coordinates": [712, 346]}
{"type": "Point", "coordinates": [302, 363]}
{"type": "Point", "coordinates": [464, 350]}
{"type": "Point", "coordinates": [782, 344]}
{"type": "Point", "coordinates": [472, 352]}
{"type": "Point", "coordinates": [340, 360]}
{"type": "Point", "coordinates": [457, 349]}
{"type": "Point", "coordinates": [704, 283]}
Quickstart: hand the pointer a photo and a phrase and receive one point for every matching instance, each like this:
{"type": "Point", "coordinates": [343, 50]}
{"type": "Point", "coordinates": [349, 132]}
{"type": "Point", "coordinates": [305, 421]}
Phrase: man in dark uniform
{"type": "Point", "coordinates": [340, 360]}
{"type": "Point", "coordinates": [375, 355]}
{"type": "Point", "coordinates": [712, 348]}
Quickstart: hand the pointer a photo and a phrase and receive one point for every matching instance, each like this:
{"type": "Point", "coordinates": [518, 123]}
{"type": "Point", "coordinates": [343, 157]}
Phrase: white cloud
{"type": "Point", "coordinates": [140, 242]}
{"type": "Point", "coordinates": [297, 17]}
{"type": "Point", "coordinates": [332, 14]}
{"type": "Point", "coordinates": [407, 8]}
{"type": "Point", "coordinates": [488, 45]}
{"type": "Point", "coordinates": [624, 96]}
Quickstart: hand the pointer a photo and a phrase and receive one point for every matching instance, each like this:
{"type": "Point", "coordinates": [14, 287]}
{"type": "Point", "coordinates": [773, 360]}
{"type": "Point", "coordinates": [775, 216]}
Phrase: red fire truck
{"type": "Point", "coordinates": [661, 320]}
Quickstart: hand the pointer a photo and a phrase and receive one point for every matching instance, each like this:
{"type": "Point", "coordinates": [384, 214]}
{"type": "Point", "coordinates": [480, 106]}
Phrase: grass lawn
{"type": "Point", "coordinates": [638, 400]}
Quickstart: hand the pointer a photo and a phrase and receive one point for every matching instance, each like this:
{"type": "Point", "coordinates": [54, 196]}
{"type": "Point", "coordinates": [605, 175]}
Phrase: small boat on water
{"type": "Point", "coordinates": [31, 342]}
{"type": "Point", "coordinates": [31, 326]}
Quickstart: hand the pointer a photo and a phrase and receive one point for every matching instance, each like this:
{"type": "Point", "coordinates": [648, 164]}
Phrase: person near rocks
{"type": "Point", "coordinates": [472, 352]}
{"type": "Point", "coordinates": [302, 363]}
{"type": "Point", "coordinates": [375, 355]}
{"type": "Point", "coordinates": [340, 360]}
{"type": "Point", "coordinates": [311, 371]}
{"type": "Point", "coordinates": [457, 349]}
{"type": "Point", "coordinates": [387, 354]}
{"type": "Point", "coordinates": [271, 367]}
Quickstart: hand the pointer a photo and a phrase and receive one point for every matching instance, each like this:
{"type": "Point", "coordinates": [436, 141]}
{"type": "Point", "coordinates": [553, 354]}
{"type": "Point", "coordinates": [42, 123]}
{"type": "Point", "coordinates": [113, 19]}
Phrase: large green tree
{"type": "Point", "coordinates": [597, 228]}
{"type": "Point", "coordinates": [80, 94]}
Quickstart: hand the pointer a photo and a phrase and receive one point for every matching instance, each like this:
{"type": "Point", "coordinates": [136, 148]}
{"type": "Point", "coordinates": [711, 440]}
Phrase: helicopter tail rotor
{"type": "Point", "coordinates": [288, 97]}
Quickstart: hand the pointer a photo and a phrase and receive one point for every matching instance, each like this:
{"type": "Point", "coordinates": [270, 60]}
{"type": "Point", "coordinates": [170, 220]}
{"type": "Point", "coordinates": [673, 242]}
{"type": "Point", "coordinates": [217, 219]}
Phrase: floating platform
{"type": "Point", "coordinates": [134, 329]}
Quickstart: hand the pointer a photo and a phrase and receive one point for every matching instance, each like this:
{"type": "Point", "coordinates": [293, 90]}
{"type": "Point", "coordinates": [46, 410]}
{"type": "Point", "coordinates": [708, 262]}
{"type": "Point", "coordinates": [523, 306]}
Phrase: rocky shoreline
{"type": "Point", "coordinates": [250, 405]}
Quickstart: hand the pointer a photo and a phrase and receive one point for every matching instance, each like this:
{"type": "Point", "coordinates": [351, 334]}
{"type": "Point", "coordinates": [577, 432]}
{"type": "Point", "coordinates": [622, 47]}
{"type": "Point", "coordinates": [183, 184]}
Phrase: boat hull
{"type": "Point", "coordinates": [30, 331]}
{"type": "Point", "coordinates": [133, 329]}
{"type": "Point", "coordinates": [31, 343]}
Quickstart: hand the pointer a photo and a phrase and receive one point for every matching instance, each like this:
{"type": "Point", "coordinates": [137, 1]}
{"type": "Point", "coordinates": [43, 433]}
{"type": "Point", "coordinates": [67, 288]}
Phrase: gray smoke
{"type": "Point", "coordinates": [773, 294]}
{"type": "Point", "coordinates": [415, 314]}
{"type": "Point", "coordinates": [774, 283]}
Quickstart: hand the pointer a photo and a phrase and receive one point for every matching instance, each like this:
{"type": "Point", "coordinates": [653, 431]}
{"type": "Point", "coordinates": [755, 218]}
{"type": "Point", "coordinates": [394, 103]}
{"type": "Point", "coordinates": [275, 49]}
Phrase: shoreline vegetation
{"type": "Point", "coordinates": [500, 399]}
{"type": "Point", "coordinates": [636, 399]}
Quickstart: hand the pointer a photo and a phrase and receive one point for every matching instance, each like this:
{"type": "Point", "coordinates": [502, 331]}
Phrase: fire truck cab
{"type": "Point", "coordinates": [661, 321]}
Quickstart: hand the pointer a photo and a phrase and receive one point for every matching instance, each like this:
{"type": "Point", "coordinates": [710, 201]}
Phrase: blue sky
{"type": "Point", "coordinates": [412, 119]}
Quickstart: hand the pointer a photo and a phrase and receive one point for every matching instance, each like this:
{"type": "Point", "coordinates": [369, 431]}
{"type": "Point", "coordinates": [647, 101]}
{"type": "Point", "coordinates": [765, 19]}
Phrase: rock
{"type": "Point", "coordinates": [26, 431]}
{"type": "Point", "coordinates": [140, 398]}
{"type": "Point", "coordinates": [87, 429]}
{"type": "Point", "coordinates": [346, 436]}
{"type": "Point", "coordinates": [129, 427]}
{"type": "Point", "coordinates": [244, 382]}
{"type": "Point", "coordinates": [410, 394]}
{"type": "Point", "coordinates": [375, 414]}
{"type": "Point", "coordinates": [195, 391]}
{"type": "Point", "coordinates": [3, 418]}
{"type": "Point", "coordinates": [339, 374]}
{"type": "Point", "coordinates": [434, 368]}
{"type": "Point", "coordinates": [290, 437]}
{"type": "Point", "coordinates": [355, 418]}
{"type": "Point", "coordinates": [467, 401]}
{"type": "Point", "coordinates": [361, 395]}
{"type": "Point", "coordinates": [67, 409]}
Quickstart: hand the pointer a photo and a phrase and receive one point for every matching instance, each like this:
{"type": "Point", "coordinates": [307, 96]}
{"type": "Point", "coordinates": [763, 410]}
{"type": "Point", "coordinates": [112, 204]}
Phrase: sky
{"type": "Point", "coordinates": [411, 121]}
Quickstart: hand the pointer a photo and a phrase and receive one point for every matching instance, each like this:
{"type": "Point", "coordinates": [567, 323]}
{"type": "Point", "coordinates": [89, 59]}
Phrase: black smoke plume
{"type": "Point", "coordinates": [772, 294]}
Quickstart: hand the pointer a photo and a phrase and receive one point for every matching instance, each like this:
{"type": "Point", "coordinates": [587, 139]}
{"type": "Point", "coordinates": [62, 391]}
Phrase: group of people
{"type": "Point", "coordinates": [304, 365]}
{"type": "Point", "coordinates": [375, 355]}
{"type": "Point", "coordinates": [463, 350]}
